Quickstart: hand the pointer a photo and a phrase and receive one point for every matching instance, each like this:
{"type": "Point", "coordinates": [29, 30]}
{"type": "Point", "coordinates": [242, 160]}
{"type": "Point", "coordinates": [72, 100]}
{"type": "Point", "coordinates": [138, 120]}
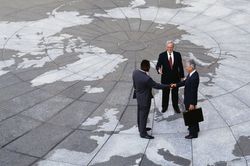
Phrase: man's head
{"type": "Point", "coordinates": [145, 65]}
{"type": "Point", "coordinates": [170, 46]}
{"type": "Point", "coordinates": [190, 66]}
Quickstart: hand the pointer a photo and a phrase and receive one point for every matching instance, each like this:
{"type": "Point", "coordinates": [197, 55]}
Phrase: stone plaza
{"type": "Point", "coordinates": [66, 82]}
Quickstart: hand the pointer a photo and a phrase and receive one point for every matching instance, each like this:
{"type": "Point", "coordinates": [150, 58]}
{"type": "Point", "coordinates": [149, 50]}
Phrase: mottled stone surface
{"type": "Point", "coordinates": [66, 82]}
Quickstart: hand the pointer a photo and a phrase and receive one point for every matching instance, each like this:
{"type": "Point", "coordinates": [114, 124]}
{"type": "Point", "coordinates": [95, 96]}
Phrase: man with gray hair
{"type": "Point", "coordinates": [170, 67]}
{"type": "Point", "coordinates": [191, 84]}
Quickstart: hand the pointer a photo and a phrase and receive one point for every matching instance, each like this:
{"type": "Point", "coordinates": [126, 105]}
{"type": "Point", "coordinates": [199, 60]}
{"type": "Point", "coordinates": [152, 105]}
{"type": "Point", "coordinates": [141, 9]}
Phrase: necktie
{"type": "Point", "coordinates": [170, 62]}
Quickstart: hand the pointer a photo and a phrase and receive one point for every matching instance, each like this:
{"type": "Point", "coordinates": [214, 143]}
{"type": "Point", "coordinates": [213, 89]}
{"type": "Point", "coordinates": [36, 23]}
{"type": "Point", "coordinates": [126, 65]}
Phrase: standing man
{"type": "Point", "coordinates": [143, 85]}
{"type": "Point", "coordinates": [170, 67]}
{"type": "Point", "coordinates": [191, 84]}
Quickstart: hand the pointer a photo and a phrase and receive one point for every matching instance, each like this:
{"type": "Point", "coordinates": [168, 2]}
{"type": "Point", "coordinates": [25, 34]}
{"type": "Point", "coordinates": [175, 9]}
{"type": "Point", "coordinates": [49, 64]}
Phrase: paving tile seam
{"type": "Point", "coordinates": [25, 9]}
{"type": "Point", "coordinates": [118, 120]}
{"type": "Point", "coordinates": [232, 93]}
{"type": "Point", "coordinates": [44, 122]}
{"type": "Point", "coordinates": [7, 42]}
{"type": "Point", "coordinates": [70, 133]}
{"type": "Point", "coordinates": [24, 154]}
{"type": "Point", "coordinates": [54, 95]}
{"type": "Point", "coordinates": [198, 14]}
{"type": "Point", "coordinates": [154, 112]}
{"type": "Point", "coordinates": [101, 8]}
{"type": "Point", "coordinates": [131, 91]}
{"type": "Point", "coordinates": [229, 92]}
{"type": "Point", "coordinates": [56, 161]}
{"type": "Point", "coordinates": [11, 85]}
{"type": "Point", "coordinates": [60, 141]}
{"type": "Point", "coordinates": [231, 131]}
{"type": "Point", "coordinates": [78, 125]}
{"type": "Point", "coordinates": [152, 22]}
{"type": "Point", "coordinates": [124, 16]}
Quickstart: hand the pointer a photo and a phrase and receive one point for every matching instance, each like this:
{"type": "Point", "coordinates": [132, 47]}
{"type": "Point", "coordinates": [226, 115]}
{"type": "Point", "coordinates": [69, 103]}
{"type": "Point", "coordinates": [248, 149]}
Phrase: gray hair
{"type": "Point", "coordinates": [192, 63]}
{"type": "Point", "coordinates": [169, 42]}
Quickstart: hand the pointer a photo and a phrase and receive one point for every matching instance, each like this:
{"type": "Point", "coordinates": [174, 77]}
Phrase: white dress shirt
{"type": "Point", "coordinates": [172, 56]}
{"type": "Point", "coordinates": [192, 73]}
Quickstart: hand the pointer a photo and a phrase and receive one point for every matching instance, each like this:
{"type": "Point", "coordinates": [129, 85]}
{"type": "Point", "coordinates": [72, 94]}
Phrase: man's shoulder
{"type": "Point", "coordinates": [136, 71]}
{"type": "Point", "coordinates": [163, 53]}
{"type": "Point", "coordinates": [139, 72]}
{"type": "Point", "coordinates": [177, 53]}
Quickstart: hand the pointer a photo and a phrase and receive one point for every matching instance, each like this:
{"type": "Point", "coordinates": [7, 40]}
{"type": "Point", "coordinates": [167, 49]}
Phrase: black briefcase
{"type": "Point", "coordinates": [192, 117]}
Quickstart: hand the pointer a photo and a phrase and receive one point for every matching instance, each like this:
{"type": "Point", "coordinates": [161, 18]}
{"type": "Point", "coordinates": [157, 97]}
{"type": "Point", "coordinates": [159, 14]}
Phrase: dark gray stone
{"type": "Point", "coordinates": [119, 160]}
{"type": "Point", "coordinates": [244, 143]}
{"type": "Point", "coordinates": [8, 79]}
{"type": "Point", "coordinates": [8, 158]}
{"type": "Point", "coordinates": [14, 90]}
{"type": "Point", "coordinates": [40, 140]}
{"type": "Point", "coordinates": [120, 94]}
{"type": "Point", "coordinates": [129, 118]}
{"type": "Point", "coordinates": [15, 127]}
{"type": "Point", "coordinates": [20, 103]}
{"type": "Point", "coordinates": [74, 115]}
{"type": "Point", "coordinates": [146, 162]}
{"type": "Point", "coordinates": [176, 159]}
{"type": "Point", "coordinates": [48, 108]}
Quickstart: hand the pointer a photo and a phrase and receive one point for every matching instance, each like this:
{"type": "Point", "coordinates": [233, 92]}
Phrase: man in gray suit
{"type": "Point", "coordinates": [143, 85]}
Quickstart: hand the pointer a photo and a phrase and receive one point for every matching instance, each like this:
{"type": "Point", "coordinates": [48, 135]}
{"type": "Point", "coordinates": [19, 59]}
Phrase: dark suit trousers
{"type": "Point", "coordinates": [165, 98]}
{"type": "Point", "coordinates": [142, 117]}
{"type": "Point", "coordinates": [193, 129]}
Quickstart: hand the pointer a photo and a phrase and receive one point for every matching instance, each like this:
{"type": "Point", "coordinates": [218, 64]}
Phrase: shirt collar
{"type": "Point", "coordinates": [192, 73]}
{"type": "Point", "coordinates": [170, 53]}
{"type": "Point", "coordinates": [144, 71]}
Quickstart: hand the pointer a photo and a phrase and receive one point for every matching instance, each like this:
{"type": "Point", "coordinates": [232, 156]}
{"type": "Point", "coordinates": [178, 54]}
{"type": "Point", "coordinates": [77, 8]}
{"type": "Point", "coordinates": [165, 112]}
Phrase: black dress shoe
{"type": "Point", "coordinates": [147, 136]}
{"type": "Point", "coordinates": [148, 129]}
{"type": "Point", "coordinates": [191, 137]}
{"type": "Point", "coordinates": [177, 111]}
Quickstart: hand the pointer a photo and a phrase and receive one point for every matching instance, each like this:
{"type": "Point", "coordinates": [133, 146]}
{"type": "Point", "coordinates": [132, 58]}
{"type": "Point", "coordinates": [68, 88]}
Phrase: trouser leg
{"type": "Point", "coordinates": [165, 98]}
{"type": "Point", "coordinates": [193, 130]}
{"type": "Point", "coordinates": [143, 114]}
{"type": "Point", "coordinates": [175, 98]}
{"type": "Point", "coordinates": [138, 117]}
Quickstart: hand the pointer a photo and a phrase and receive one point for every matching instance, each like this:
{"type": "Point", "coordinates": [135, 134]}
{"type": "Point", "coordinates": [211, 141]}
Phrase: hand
{"type": "Point", "coordinates": [160, 71]}
{"type": "Point", "coordinates": [191, 107]}
{"type": "Point", "coordinates": [173, 86]}
{"type": "Point", "coordinates": [182, 79]}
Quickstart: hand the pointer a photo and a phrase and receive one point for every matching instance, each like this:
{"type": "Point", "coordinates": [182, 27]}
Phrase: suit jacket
{"type": "Point", "coordinates": [191, 89]}
{"type": "Point", "coordinates": [170, 75]}
{"type": "Point", "coordinates": [143, 85]}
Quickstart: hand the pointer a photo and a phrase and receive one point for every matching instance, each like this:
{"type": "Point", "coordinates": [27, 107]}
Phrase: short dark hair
{"type": "Point", "coordinates": [145, 65]}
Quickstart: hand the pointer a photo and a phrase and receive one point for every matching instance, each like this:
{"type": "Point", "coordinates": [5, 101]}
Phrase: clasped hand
{"type": "Point", "coordinates": [173, 86]}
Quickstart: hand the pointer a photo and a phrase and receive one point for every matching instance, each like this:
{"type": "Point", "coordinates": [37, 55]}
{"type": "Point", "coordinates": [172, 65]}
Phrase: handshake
{"type": "Point", "coordinates": [172, 86]}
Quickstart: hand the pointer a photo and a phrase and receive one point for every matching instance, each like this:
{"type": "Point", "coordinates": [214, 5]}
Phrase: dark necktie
{"type": "Point", "coordinates": [170, 62]}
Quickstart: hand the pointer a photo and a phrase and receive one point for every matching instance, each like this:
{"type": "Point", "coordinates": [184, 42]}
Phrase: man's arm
{"type": "Point", "coordinates": [194, 91]}
{"type": "Point", "coordinates": [152, 84]}
{"type": "Point", "coordinates": [159, 65]}
{"type": "Point", "coordinates": [180, 84]}
{"type": "Point", "coordinates": [181, 71]}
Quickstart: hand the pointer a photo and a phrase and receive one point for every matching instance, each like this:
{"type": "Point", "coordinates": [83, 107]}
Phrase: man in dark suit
{"type": "Point", "coordinates": [143, 85]}
{"type": "Point", "coordinates": [170, 67]}
{"type": "Point", "coordinates": [191, 84]}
